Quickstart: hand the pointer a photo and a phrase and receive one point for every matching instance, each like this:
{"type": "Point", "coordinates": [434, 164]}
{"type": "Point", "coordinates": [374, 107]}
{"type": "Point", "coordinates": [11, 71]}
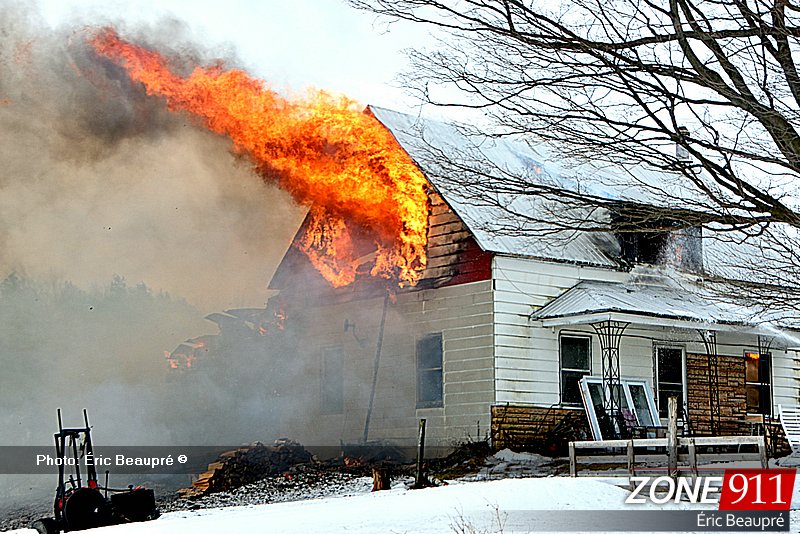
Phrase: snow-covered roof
{"type": "Point", "coordinates": [453, 160]}
{"type": "Point", "coordinates": [426, 141]}
{"type": "Point", "coordinates": [692, 305]}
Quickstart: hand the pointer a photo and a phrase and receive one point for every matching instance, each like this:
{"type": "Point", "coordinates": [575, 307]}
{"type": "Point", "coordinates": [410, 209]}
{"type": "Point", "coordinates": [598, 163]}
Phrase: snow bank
{"type": "Point", "coordinates": [431, 510]}
{"type": "Point", "coordinates": [527, 458]}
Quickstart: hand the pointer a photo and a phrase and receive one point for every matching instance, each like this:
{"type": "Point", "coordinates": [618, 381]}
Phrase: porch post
{"type": "Point", "coordinates": [610, 334]}
{"type": "Point", "coordinates": [710, 342]}
{"type": "Point", "coordinates": [764, 348]}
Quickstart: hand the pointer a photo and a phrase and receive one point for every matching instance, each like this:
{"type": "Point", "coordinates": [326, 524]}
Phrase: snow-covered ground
{"type": "Point", "coordinates": [459, 507]}
{"type": "Point", "coordinates": [480, 503]}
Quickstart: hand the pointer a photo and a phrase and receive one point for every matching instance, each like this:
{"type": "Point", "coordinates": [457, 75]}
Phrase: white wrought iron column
{"type": "Point", "coordinates": [610, 335]}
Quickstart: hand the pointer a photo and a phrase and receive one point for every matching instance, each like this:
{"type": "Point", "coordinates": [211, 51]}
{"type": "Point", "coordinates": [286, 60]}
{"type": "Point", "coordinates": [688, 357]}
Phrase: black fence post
{"type": "Point", "coordinates": [419, 482]}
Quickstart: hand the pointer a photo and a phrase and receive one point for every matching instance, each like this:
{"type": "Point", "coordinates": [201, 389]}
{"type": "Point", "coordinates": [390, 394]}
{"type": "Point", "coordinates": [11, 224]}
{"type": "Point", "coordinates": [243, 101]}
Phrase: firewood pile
{"type": "Point", "coordinates": [248, 464]}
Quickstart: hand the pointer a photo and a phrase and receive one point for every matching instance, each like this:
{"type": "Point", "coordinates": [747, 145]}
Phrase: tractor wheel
{"type": "Point", "coordinates": [86, 508]}
{"type": "Point", "coordinates": [46, 525]}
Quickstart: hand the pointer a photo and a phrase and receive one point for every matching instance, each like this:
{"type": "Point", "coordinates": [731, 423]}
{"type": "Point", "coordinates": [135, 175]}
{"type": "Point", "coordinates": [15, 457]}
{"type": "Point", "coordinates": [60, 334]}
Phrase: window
{"type": "Point", "coordinates": [576, 362]}
{"type": "Point", "coordinates": [643, 247]}
{"type": "Point", "coordinates": [636, 404]}
{"type": "Point", "coordinates": [643, 405]}
{"type": "Point", "coordinates": [332, 381]}
{"type": "Point", "coordinates": [668, 243]}
{"type": "Point", "coordinates": [670, 378]}
{"type": "Point", "coordinates": [429, 371]}
{"type": "Point", "coordinates": [757, 383]}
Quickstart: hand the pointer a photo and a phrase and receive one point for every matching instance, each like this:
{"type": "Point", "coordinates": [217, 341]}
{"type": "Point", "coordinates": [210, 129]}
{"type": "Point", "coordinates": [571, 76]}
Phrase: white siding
{"type": "Point", "coordinates": [785, 377]}
{"type": "Point", "coordinates": [461, 313]}
{"type": "Point", "coordinates": [492, 354]}
{"type": "Point", "coordinates": [527, 357]}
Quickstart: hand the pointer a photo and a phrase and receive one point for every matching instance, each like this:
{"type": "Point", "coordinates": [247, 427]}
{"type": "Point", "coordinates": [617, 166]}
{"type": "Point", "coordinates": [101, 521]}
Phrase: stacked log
{"type": "Point", "coordinates": [248, 464]}
{"type": "Point", "coordinates": [381, 478]}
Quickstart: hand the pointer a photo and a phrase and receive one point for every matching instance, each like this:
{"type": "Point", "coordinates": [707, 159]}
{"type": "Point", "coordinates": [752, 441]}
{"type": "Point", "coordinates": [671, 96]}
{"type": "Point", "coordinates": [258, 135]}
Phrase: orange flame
{"type": "Point", "coordinates": [324, 151]}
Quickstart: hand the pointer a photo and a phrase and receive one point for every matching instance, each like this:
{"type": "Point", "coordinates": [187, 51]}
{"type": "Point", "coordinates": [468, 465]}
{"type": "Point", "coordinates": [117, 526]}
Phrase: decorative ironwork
{"type": "Point", "coordinates": [610, 334]}
{"type": "Point", "coordinates": [712, 374]}
{"type": "Point", "coordinates": [764, 344]}
{"type": "Point", "coordinates": [764, 348]}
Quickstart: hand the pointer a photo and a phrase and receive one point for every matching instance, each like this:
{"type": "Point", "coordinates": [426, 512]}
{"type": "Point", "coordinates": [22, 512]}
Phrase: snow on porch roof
{"type": "Point", "coordinates": [427, 140]}
{"type": "Point", "coordinates": [679, 306]}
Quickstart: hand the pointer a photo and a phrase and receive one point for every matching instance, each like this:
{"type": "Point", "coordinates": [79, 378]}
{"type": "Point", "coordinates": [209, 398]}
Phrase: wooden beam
{"type": "Point", "coordinates": [672, 437]}
{"type": "Point", "coordinates": [573, 462]}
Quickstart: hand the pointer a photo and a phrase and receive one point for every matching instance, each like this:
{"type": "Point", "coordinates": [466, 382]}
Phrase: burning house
{"type": "Point", "coordinates": [515, 335]}
{"type": "Point", "coordinates": [409, 292]}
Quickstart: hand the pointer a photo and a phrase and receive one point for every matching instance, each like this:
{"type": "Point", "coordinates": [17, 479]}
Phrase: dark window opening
{"type": "Point", "coordinates": [332, 381]}
{"type": "Point", "coordinates": [643, 247]}
{"type": "Point", "coordinates": [429, 371]}
{"type": "Point", "coordinates": [758, 382]}
{"type": "Point", "coordinates": [681, 247]}
{"type": "Point", "coordinates": [669, 378]}
{"type": "Point", "coordinates": [576, 362]}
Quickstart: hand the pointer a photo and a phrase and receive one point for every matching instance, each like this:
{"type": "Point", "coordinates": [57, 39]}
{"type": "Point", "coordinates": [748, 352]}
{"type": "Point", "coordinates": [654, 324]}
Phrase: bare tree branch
{"type": "Point", "coordinates": [623, 83]}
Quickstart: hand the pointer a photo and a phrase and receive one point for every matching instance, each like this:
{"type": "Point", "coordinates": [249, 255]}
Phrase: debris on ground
{"type": "Point", "coordinates": [248, 464]}
{"type": "Point", "coordinates": [466, 458]}
{"type": "Point", "coordinates": [475, 460]}
{"type": "Point", "coordinates": [286, 471]}
{"type": "Point", "coordinates": [509, 464]}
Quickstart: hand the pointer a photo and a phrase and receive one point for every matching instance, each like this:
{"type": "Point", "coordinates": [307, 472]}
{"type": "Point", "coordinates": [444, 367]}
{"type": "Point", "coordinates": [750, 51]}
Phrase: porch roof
{"type": "Point", "coordinates": [681, 306]}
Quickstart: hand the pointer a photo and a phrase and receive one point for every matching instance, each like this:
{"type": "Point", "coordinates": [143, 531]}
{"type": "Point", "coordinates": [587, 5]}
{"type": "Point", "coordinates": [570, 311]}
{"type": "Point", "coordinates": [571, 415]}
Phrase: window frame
{"type": "Point", "coordinates": [561, 368]}
{"type": "Point", "coordinates": [419, 371]}
{"type": "Point", "coordinates": [326, 407]}
{"type": "Point", "coordinates": [625, 384]}
{"type": "Point", "coordinates": [760, 384]}
{"type": "Point", "coordinates": [684, 379]}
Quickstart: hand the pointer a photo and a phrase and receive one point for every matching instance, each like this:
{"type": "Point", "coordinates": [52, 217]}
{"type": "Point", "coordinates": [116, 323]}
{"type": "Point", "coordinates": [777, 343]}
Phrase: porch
{"type": "Point", "coordinates": [653, 341]}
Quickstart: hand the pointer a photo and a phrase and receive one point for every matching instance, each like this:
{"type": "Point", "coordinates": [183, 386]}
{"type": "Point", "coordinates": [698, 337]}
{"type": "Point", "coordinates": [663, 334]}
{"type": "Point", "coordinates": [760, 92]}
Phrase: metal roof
{"type": "Point", "coordinates": [496, 229]}
{"type": "Point", "coordinates": [458, 164]}
{"type": "Point", "coordinates": [687, 305]}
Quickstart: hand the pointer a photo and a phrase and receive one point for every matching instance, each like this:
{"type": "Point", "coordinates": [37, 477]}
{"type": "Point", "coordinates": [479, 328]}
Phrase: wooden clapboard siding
{"type": "Point", "coordinates": [453, 257]}
{"type": "Point", "coordinates": [461, 313]}
{"type": "Point", "coordinates": [785, 378]}
{"type": "Point", "coordinates": [454, 297]}
{"type": "Point", "coordinates": [526, 357]}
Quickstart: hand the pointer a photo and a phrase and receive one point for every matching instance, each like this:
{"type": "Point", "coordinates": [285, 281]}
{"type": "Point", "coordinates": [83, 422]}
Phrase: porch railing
{"type": "Point", "coordinates": [623, 452]}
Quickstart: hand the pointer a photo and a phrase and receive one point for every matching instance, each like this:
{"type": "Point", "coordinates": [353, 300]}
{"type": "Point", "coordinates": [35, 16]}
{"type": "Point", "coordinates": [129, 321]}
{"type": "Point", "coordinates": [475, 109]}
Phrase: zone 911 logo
{"type": "Point", "coordinates": [738, 489]}
{"type": "Point", "coordinates": [757, 489]}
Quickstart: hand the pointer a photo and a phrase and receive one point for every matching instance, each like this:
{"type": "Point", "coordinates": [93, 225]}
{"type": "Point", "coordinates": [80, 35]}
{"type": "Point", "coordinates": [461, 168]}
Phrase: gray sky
{"type": "Point", "coordinates": [291, 44]}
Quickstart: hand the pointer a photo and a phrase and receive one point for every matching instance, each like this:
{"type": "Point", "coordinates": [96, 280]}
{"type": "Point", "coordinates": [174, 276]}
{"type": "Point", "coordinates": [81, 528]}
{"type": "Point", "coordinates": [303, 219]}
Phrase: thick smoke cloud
{"type": "Point", "coordinates": [98, 179]}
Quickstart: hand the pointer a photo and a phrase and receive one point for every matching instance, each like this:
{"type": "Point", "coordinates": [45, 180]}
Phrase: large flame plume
{"type": "Point", "coordinates": [323, 150]}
